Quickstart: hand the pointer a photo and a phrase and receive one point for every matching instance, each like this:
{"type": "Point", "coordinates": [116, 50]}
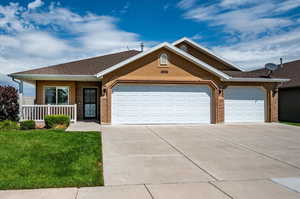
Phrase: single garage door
{"type": "Point", "coordinates": [244, 104]}
{"type": "Point", "coordinates": [156, 104]}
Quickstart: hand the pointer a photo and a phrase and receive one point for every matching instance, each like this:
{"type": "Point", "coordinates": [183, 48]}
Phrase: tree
{"type": "Point", "coordinates": [9, 105]}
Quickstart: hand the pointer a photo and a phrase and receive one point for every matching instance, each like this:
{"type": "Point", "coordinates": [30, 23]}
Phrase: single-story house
{"type": "Point", "coordinates": [181, 82]}
{"type": "Point", "coordinates": [289, 92]}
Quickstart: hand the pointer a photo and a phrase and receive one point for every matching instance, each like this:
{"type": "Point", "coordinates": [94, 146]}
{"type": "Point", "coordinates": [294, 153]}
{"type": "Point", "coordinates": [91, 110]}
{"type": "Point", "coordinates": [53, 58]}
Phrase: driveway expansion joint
{"type": "Point", "coordinates": [77, 191]}
{"type": "Point", "coordinates": [220, 190]}
{"type": "Point", "coordinates": [148, 190]}
{"type": "Point", "coordinates": [257, 152]}
{"type": "Point", "coordinates": [183, 154]}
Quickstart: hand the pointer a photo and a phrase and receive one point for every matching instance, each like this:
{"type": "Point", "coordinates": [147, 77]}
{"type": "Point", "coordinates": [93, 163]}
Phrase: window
{"type": "Point", "coordinates": [57, 95]}
{"type": "Point", "coordinates": [163, 59]}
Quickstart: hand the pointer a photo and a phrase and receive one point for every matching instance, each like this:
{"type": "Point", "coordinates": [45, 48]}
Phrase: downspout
{"type": "Point", "coordinates": [20, 83]}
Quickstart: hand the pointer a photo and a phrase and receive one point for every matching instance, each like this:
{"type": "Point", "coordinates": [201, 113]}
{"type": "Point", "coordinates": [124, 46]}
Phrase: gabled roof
{"type": "Point", "coordinates": [208, 52]}
{"type": "Point", "coordinates": [221, 74]}
{"type": "Point", "coordinates": [89, 66]}
{"type": "Point", "coordinates": [173, 49]}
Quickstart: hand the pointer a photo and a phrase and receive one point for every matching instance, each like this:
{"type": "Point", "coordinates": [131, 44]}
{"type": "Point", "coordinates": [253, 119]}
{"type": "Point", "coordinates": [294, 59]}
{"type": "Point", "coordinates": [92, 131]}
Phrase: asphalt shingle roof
{"type": "Point", "coordinates": [89, 66]}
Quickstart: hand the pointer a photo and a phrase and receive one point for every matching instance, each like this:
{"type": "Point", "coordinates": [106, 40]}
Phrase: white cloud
{"type": "Point", "coordinates": [42, 44]}
{"type": "Point", "coordinates": [257, 52]}
{"type": "Point", "coordinates": [185, 4]}
{"type": "Point", "coordinates": [288, 5]}
{"type": "Point", "coordinates": [197, 37]}
{"type": "Point", "coordinates": [9, 20]}
{"type": "Point", "coordinates": [35, 4]}
{"type": "Point", "coordinates": [235, 3]}
{"type": "Point", "coordinates": [25, 45]}
{"type": "Point", "coordinates": [245, 21]}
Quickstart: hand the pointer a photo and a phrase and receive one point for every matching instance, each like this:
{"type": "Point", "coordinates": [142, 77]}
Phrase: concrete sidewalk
{"type": "Point", "coordinates": [84, 126]}
{"type": "Point", "coordinates": [258, 189]}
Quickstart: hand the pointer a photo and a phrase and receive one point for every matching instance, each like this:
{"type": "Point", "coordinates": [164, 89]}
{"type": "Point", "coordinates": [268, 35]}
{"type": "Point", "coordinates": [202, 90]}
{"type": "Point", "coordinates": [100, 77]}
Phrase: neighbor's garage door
{"type": "Point", "coordinates": [153, 104]}
{"type": "Point", "coordinates": [244, 104]}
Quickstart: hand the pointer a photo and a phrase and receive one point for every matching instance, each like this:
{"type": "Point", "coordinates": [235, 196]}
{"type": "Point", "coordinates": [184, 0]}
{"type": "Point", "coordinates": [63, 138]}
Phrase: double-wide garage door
{"type": "Point", "coordinates": [154, 104]}
{"type": "Point", "coordinates": [244, 104]}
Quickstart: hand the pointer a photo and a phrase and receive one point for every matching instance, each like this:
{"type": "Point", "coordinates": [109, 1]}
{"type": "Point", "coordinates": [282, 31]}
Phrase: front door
{"type": "Point", "coordinates": [90, 103]}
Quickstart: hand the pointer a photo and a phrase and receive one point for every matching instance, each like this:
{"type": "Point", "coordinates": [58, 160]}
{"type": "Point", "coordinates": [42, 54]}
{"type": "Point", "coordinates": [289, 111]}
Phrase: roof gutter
{"type": "Point", "coordinates": [237, 79]}
{"type": "Point", "coordinates": [55, 77]}
{"type": "Point", "coordinates": [20, 84]}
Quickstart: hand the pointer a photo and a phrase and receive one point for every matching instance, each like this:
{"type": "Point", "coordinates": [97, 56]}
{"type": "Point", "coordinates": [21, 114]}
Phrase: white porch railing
{"type": "Point", "coordinates": [38, 112]}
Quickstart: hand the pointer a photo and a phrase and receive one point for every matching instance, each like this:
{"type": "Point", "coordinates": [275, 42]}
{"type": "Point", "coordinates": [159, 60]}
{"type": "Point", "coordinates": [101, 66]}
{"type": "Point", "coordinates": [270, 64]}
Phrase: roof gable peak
{"type": "Point", "coordinates": [208, 52]}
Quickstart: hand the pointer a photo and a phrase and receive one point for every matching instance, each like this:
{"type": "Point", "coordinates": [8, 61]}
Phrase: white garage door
{"type": "Point", "coordinates": [244, 104]}
{"type": "Point", "coordinates": [154, 104]}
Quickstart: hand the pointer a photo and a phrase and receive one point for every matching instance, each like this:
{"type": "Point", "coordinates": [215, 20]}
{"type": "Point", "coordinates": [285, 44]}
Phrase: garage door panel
{"type": "Point", "coordinates": [139, 104]}
{"type": "Point", "coordinates": [244, 104]}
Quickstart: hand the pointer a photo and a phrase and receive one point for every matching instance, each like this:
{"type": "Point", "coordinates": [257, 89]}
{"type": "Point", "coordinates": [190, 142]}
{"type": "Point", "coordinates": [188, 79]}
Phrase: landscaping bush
{"type": "Point", "coordinates": [27, 125]}
{"type": "Point", "coordinates": [57, 121]}
{"type": "Point", "coordinates": [9, 106]}
{"type": "Point", "coordinates": [8, 125]}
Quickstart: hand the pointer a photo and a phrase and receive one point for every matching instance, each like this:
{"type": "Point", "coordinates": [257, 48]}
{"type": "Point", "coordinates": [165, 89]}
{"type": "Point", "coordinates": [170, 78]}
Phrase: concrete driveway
{"type": "Point", "coordinates": [227, 157]}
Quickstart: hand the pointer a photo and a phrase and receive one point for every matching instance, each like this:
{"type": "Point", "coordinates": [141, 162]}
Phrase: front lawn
{"type": "Point", "coordinates": [50, 158]}
{"type": "Point", "coordinates": [291, 123]}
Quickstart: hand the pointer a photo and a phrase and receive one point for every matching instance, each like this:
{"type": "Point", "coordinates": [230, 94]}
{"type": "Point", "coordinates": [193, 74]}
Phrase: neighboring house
{"type": "Point", "coordinates": [169, 83]}
{"type": "Point", "coordinates": [289, 92]}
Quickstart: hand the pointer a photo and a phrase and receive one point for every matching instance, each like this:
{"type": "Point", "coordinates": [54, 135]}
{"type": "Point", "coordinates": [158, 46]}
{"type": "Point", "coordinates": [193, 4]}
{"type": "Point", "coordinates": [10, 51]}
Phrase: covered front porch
{"type": "Point", "coordinates": [78, 100]}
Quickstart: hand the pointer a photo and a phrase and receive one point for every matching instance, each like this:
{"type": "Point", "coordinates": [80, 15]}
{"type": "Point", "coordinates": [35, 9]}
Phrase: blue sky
{"type": "Point", "coordinates": [36, 33]}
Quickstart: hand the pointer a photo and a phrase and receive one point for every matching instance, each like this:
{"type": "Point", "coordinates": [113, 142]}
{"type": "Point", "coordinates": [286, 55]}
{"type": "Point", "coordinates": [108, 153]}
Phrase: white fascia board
{"type": "Point", "coordinates": [172, 48]}
{"type": "Point", "coordinates": [55, 77]}
{"type": "Point", "coordinates": [236, 79]}
{"type": "Point", "coordinates": [196, 45]}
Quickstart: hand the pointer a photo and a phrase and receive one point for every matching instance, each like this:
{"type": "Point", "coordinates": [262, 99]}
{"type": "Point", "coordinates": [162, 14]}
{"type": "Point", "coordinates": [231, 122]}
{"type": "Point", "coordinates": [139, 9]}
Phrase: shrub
{"type": "Point", "coordinates": [27, 125]}
{"type": "Point", "coordinates": [9, 106]}
{"type": "Point", "coordinates": [57, 121]}
{"type": "Point", "coordinates": [8, 125]}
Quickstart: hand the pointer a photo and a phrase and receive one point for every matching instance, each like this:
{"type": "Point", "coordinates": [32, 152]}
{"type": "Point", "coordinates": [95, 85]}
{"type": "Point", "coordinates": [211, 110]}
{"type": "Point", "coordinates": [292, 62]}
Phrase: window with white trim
{"type": "Point", "coordinates": [163, 59]}
{"type": "Point", "coordinates": [57, 95]}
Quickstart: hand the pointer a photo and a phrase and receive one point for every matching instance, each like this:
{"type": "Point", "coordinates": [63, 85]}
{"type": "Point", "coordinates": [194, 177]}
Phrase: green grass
{"type": "Point", "coordinates": [291, 123]}
{"type": "Point", "coordinates": [50, 158]}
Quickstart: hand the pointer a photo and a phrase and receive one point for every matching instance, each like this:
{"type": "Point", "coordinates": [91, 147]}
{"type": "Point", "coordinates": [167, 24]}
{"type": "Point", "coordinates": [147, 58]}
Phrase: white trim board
{"type": "Point", "coordinates": [246, 79]}
{"type": "Point", "coordinates": [209, 52]}
{"type": "Point", "coordinates": [55, 77]}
